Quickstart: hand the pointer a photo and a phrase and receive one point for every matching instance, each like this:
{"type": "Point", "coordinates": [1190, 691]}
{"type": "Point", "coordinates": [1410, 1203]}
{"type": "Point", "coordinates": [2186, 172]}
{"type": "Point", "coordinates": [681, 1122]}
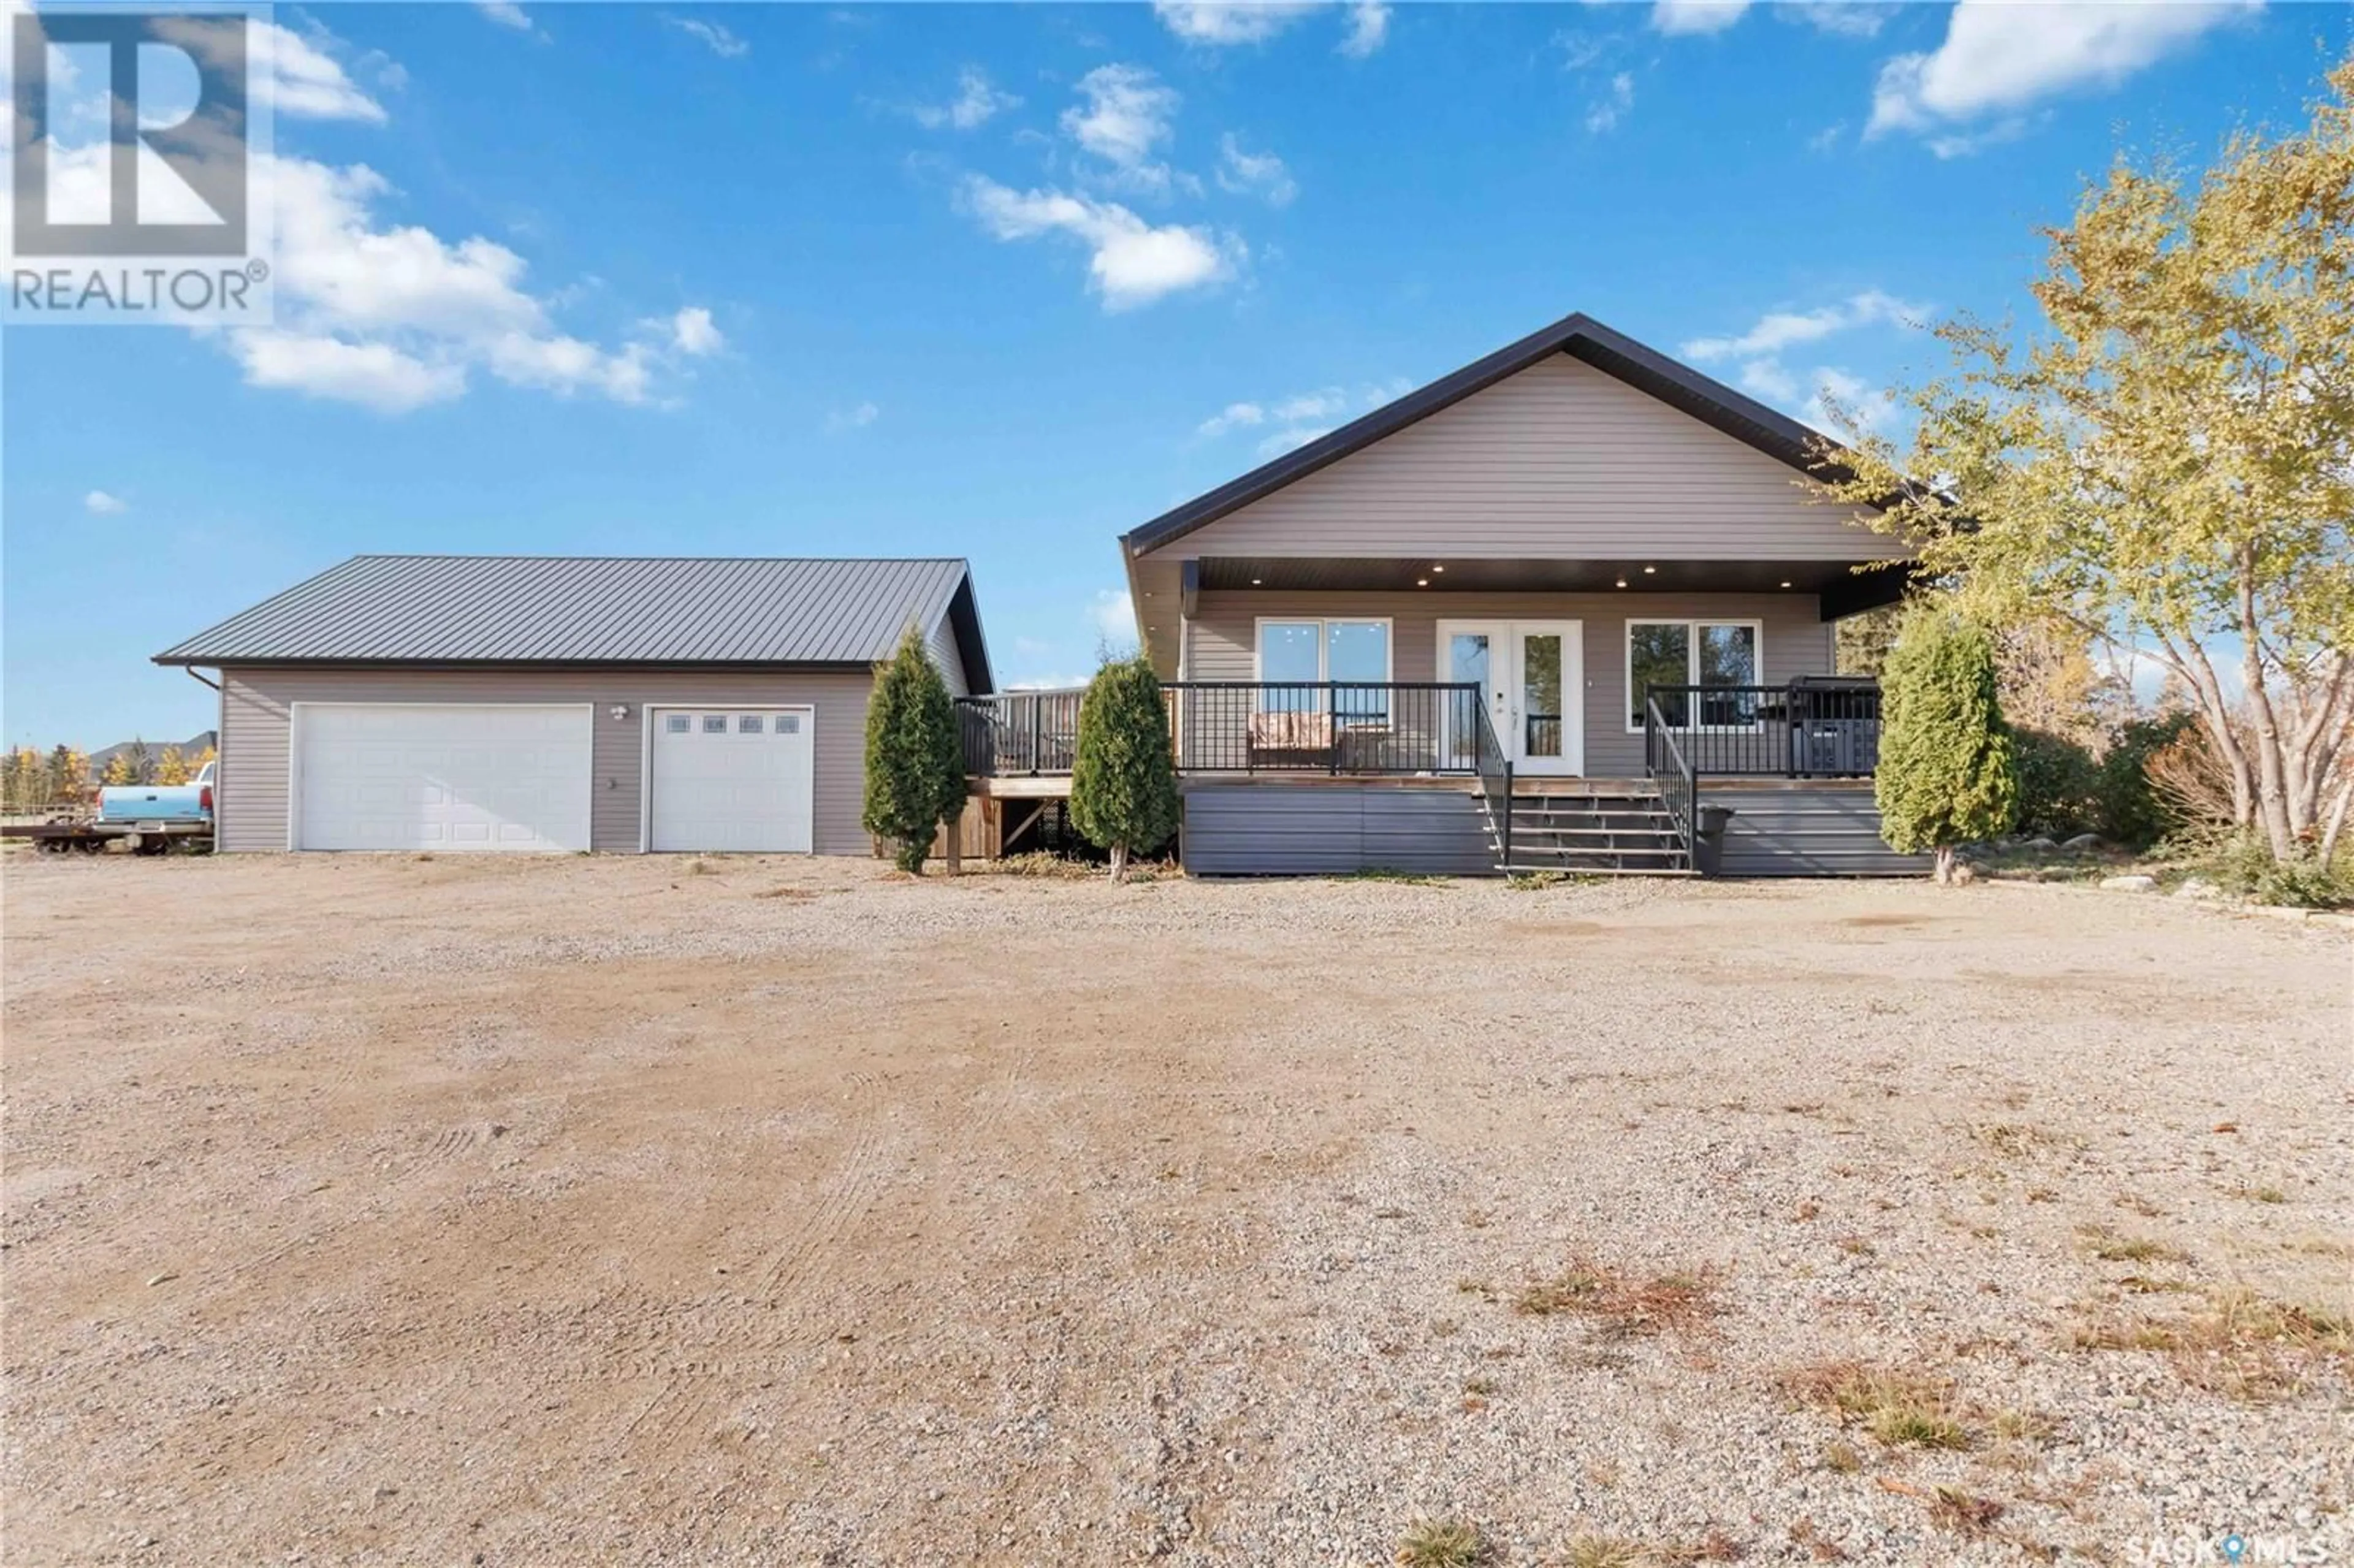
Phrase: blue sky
{"type": "Point", "coordinates": [1004, 282]}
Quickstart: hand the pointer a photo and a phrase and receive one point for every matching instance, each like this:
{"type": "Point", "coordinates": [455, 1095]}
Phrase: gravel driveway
{"type": "Point", "coordinates": [588, 1209]}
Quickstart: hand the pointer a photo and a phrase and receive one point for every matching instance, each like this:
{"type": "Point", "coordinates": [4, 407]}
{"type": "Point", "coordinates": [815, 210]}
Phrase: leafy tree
{"type": "Point", "coordinates": [2169, 467]}
{"type": "Point", "coordinates": [2059, 782]}
{"type": "Point", "coordinates": [120, 768]}
{"type": "Point", "coordinates": [172, 768]}
{"type": "Point", "coordinates": [2132, 810]}
{"type": "Point", "coordinates": [914, 767]}
{"type": "Point", "coordinates": [203, 759]}
{"type": "Point", "coordinates": [13, 778]}
{"type": "Point", "coordinates": [1124, 780]}
{"type": "Point", "coordinates": [1859, 642]}
{"type": "Point", "coordinates": [1948, 772]}
{"type": "Point", "coordinates": [68, 776]}
{"type": "Point", "coordinates": [143, 762]}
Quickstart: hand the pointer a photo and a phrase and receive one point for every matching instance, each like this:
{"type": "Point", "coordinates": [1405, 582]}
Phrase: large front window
{"type": "Point", "coordinates": [1298, 658]}
{"type": "Point", "coordinates": [1678, 653]}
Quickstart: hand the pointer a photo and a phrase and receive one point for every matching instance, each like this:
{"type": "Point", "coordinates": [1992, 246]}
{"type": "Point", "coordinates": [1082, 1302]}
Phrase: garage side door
{"type": "Point", "coordinates": [403, 776]}
{"type": "Point", "coordinates": [732, 779]}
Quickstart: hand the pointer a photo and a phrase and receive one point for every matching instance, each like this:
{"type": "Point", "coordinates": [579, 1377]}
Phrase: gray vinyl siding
{"type": "Point", "coordinates": [1221, 641]}
{"type": "Point", "coordinates": [1560, 461]}
{"type": "Point", "coordinates": [943, 645]}
{"type": "Point", "coordinates": [257, 713]}
{"type": "Point", "coordinates": [1808, 831]}
{"type": "Point", "coordinates": [1277, 830]}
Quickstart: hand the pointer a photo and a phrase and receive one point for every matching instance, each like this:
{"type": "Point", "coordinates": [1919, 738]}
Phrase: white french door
{"type": "Point", "coordinates": [1532, 673]}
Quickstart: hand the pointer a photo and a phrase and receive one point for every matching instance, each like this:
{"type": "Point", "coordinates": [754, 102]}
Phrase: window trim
{"type": "Point", "coordinates": [1692, 624]}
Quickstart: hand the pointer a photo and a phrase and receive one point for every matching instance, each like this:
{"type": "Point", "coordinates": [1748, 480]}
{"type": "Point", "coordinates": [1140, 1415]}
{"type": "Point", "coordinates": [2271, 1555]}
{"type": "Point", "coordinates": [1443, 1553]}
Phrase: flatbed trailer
{"type": "Point", "coordinates": [89, 836]}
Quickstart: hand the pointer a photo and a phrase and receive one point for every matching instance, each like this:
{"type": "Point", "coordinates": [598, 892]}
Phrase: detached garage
{"type": "Point", "coordinates": [510, 705]}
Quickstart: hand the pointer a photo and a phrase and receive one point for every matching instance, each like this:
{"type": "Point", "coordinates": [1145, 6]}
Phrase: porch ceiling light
{"type": "Point", "coordinates": [1437, 568]}
{"type": "Point", "coordinates": [1786, 584]}
{"type": "Point", "coordinates": [1422, 582]}
{"type": "Point", "coordinates": [1255, 582]}
{"type": "Point", "coordinates": [1649, 570]}
{"type": "Point", "coordinates": [1622, 582]}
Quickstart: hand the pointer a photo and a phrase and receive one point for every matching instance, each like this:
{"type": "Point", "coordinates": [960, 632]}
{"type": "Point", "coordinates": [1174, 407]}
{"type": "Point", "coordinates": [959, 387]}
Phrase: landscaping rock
{"type": "Point", "coordinates": [2085, 843]}
{"type": "Point", "coordinates": [2041, 846]}
{"type": "Point", "coordinates": [2198, 887]}
{"type": "Point", "coordinates": [2136, 883]}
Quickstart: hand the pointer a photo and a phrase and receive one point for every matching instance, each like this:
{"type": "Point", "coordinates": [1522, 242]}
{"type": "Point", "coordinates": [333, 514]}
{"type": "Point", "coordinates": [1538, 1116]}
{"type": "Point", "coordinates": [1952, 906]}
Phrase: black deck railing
{"type": "Point", "coordinates": [1371, 727]}
{"type": "Point", "coordinates": [1013, 734]}
{"type": "Point", "coordinates": [1671, 774]}
{"type": "Point", "coordinates": [1326, 727]}
{"type": "Point", "coordinates": [1811, 728]}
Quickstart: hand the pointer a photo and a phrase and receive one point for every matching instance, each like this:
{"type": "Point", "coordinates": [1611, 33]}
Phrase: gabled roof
{"type": "Point", "coordinates": [1581, 336]}
{"type": "Point", "coordinates": [593, 610]}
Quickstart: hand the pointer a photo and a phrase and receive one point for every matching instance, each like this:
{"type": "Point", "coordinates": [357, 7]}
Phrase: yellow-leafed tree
{"type": "Point", "coordinates": [2168, 466]}
{"type": "Point", "coordinates": [172, 768]}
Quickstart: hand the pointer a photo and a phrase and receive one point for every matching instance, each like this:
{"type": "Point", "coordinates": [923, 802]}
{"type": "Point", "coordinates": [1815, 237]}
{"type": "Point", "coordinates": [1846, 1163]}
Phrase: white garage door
{"type": "Point", "coordinates": [731, 778]}
{"type": "Point", "coordinates": [404, 776]}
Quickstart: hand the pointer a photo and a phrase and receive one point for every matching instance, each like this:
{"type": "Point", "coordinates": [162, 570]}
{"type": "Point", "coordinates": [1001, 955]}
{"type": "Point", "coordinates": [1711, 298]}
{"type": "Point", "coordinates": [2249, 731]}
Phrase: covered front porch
{"type": "Point", "coordinates": [1290, 776]}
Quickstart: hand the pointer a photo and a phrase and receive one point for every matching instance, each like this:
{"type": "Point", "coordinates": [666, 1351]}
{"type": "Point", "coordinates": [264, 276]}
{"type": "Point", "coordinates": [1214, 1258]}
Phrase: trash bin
{"type": "Point", "coordinates": [1708, 850]}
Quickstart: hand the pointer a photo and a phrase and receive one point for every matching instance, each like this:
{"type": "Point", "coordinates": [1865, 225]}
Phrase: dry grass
{"type": "Point", "coordinates": [1443, 1544]}
{"type": "Point", "coordinates": [2017, 1140]}
{"type": "Point", "coordinates": [2111, 1248]}
{"type": "Point", "coordinates": [2240, 1345]}
{"type": "Point", "coordinates": [1618, 1552]}
{"type": "Point", "coordinates": [1621, 1306]}
{"type": "Point", "coordinates": [1899, 1409]}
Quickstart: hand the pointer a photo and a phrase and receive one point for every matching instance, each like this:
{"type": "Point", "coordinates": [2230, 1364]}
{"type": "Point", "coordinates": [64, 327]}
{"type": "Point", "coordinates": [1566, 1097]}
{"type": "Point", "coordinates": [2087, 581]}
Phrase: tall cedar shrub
{"type": "Point", "coordinates": [1124, 782]}
{"type": "Point", "coordinates": [914, 767]}
{"type": "Point", "coordinates": [1949, 771]}
{"type": "Point", "coordinates": [2059, 783]}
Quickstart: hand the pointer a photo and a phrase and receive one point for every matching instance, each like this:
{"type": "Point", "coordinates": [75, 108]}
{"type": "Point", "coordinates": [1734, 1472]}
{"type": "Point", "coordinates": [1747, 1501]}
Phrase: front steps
{"type": "Point", "coordinates": [1591, 828]}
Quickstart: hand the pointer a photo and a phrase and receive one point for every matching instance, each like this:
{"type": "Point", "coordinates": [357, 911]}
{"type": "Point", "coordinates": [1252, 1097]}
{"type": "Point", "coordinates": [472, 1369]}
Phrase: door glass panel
{"type": "Point", "coordinates": [1466, 658]}
{"type": "Point", "coordinates": [1659, 654]}
{"type": "Point", "coordinates": [1468, 663]}
{"type": "Point", "coordinates": [1540, 694]}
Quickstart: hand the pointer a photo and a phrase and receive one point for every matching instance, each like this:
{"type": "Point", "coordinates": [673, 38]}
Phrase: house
{"type": "Point", "coordinates": [468, 703]}
{"type": "Point", "coordinates": [1560, 609]}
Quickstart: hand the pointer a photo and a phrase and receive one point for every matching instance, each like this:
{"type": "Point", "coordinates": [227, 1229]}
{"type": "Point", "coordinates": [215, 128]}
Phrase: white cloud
{"type": "Point", "coordinates": [1245, 21]}
{"type": "Point", "coordinates": [1999, 58]}
{"type": "Point", "coordinates": [1778, 330]}
{"type": "Point", "coordinates": [394, 317]}
{"type": "Point", "coordinates": [693, 332]}
{"type": "Point", "coordinates": [1128, 114]}
{"type": "Point", "coordinates": [1291, 438]}
{"type": "Point", "coordinates": [1369, 29]}
{"type": "Point", "coordinates": [505, 13]}
{"type": "Point", "coordinates": [1866, 407]}
{"type": "Point", "coordinates": [1767, 378]}
{"type": "Point", "coordinates": [100, 503]}
{"type": "Point", "coordinates": [976, 103]}
{"type": "Point", "coordinates": [858, 419]}
{"type": "Point", "coordinates": [718, 38]}
{"type": "Point", "coordinates": [1113, 615]}
{"type": "Point", "coordinates": [1824, 139]}
{"type": "Point", "coordinates": [1303, 416]}
{"type": "Point", "coordinates": [1841, 19]}
{"type": "Point", "coordinates": [1130, 261]}
{"type": "Point", "coordinates": [305, 79]}
{"type": "Point", "coordinates": [1255, 173]}
{"type": "Point", "coordinates": [372, 374]}
{"type": "Point", "coordinates": [1696, 16]}
{"type": "Point", "coordinates": [1605, 112]}
{"type": "Point", "coordinates": [1232, 417]}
